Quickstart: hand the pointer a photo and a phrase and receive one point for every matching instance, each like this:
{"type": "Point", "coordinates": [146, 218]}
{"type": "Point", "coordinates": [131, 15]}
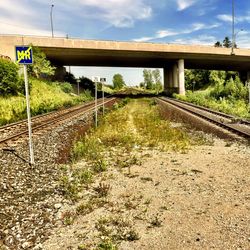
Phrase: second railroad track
{"type": "Point", "coordinates": [225, 121]}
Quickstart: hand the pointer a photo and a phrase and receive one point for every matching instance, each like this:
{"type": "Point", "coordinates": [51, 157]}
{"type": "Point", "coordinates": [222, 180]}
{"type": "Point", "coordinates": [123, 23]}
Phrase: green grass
{"type": "Point", "coordinates": [132, 125]}
{"type": "Point", "coordinates": [136, 124]}
{"type": "Point", "coordinates": [44, 97]}
{"type": "Point", "coordinates": [237, 107]}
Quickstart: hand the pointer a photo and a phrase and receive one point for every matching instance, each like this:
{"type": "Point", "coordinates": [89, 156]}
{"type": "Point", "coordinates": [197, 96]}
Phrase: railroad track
{"type": "Point", "coordinates": [19, 129]}
{"type": "Point", "coordinates": [237, 126]}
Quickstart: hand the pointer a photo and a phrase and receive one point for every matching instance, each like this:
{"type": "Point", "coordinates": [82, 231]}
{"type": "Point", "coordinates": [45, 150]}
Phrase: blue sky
{"type": "Point", "coordinates": [159, 21]}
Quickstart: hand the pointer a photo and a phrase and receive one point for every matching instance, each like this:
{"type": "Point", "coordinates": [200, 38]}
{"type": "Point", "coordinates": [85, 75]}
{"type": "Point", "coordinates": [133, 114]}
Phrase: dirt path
{"type": "Point", "coordinates": [193, 200]}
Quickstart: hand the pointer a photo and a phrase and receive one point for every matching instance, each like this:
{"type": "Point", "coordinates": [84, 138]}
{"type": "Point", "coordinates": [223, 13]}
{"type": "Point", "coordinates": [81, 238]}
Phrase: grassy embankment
{"type": "Point", "coordinates": [44, 97]}
{"type": "Point", "coordinates": [230, 105]}
{"type": "Point", "coordinates": [121, 138]}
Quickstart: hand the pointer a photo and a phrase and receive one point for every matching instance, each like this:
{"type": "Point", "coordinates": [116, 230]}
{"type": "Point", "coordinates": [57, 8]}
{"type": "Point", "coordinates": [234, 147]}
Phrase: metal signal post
{"type": "Point", "coordinates": [103, 80]}
{"type": "Point", "coordinates": [28, 114]}
{"type": "Point", "coordinates": [24, 56]}
{"type": "Point", "coordinates": [95, 79]}
{"type": "Point", "coordinates": [96, 105]}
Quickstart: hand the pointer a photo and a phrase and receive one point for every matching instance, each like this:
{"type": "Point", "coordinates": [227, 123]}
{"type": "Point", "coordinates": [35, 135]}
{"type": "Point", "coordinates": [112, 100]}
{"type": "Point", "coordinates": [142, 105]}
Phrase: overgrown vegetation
{"type": "Point", "coordinates": [127, 127]}
{"type": "Point", "coordinates": [10, 82]}
{"type": "Point", "coordinates": [224, 92]}
{"type": "Point", "coordinates": [122, 134]}
{"type": "Point", "coordinates": [137, 124]}
{"type": "Point", "coordinates": [152, 80]}
{"type": "Point", "coordinates": [41, 66]}
{"type": "Point", "coordinates": [45, 96]}
{"type": "Point", "coordinates": [116, 229]}
{"type": "Point", "coordinates": [118, 81]}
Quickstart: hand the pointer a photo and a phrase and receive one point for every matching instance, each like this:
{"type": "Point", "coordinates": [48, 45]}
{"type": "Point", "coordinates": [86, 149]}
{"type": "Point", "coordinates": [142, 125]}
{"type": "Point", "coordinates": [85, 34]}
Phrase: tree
{"type": "Point", "coordinates": [218, 44]}
{"type": "Point", "coordinates": [86, 83]}
{"type": "Point", "coordinates": [217, 77]}
{"type": "Point", "coordinates": [69, 77]}
{"type": "Point", "coordinates": [10, 83]}
{"type": "Point", "coordinates": [148, 78]}
{"type": "Point", "coordinates": [227, 43]}
{"type": "Point", "coordinates": [118, 81]}
{"type": "Point", "coordinates": [196, 78]}
{"type": "Point", "coordinates": [41, 65]}
{"type": "Point", "coordinates": [142, 85]}
{"type": "Point", "coordinates": [156, 76]}
{"type": "Point", "coordinates": [157, 80]}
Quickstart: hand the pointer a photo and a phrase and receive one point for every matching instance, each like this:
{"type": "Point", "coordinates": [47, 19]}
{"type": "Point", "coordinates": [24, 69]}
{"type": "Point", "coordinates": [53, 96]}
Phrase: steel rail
{"type": "Point", "coordinates": [239, 120]}
{"type": "Point", "coordinates": [34, 118]}
{"type": "Point", "coordinates": [197, 112]}
{"type": "Point", "coordinates": [57, 119]}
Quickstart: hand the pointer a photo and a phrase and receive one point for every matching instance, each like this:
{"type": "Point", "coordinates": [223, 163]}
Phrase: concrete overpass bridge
{"type": "Point", "coordinates": [171, 57]}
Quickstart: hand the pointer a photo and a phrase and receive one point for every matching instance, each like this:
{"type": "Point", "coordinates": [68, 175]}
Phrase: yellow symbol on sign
{"type": "Point", "coordinates": [24, 55]}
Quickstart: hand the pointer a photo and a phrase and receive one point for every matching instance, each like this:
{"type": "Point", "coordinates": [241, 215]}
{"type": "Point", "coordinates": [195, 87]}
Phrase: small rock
{"type": "Point", "coordinates": [27, 244]}
{"type": "Point", "coordinates": [57, 205]}
{"type": "Point", "coordinates": [38, 247]}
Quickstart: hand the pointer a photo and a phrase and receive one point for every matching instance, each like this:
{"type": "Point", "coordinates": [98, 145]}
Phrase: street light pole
{"type": "Point", "coordinates": [51, 19]}
{"type": "Point", "coordinates": [233, 35]}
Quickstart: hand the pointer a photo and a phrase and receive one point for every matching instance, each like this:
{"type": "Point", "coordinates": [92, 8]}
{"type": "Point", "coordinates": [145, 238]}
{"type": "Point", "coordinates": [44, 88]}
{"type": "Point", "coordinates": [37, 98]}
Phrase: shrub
{"type": "Point", "coordinates": [233, 89]}
{"type": "Point", "coordinates": [66, 87]}
{"type": "Point", "coordinates": [10, 83]}
{"type": "Point", "coordinates": [41, 66]}
{"type": "Point", "coordinates": [44, 97]}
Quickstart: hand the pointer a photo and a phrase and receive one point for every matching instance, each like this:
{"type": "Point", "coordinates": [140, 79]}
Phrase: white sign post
{"type": "Point", "coordinates": [28, 114]}
{"type": "Point", "coordinates": [103, 80]}
{"type": "Point", "coordinates": [95, 79]}
{"type": "Point", "coordinates": [24, 56]}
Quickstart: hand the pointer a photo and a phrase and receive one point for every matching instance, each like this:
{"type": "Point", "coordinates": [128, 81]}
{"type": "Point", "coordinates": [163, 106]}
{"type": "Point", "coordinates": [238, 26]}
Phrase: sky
{"type": "Point", "coordinates": [200, 22]}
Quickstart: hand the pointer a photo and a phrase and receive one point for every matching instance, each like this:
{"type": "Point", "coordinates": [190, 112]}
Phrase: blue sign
{"type": "Point", "coordinates": [24, 55]}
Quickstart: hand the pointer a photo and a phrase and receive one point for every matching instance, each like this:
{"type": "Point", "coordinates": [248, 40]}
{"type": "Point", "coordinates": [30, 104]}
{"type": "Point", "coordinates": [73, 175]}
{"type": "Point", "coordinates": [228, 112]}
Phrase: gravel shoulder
{"type": "Point", "coordinates": [197, 199]}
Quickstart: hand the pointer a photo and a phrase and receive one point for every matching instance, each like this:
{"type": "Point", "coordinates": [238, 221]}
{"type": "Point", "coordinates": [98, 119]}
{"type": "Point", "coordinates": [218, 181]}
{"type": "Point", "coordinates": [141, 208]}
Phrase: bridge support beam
{"type": "Point", "coordinates": [168, 81]}
{"type": "Point", "coordinates": [174, 78]}
{"type": "Point", "coordinates": [181, 69]}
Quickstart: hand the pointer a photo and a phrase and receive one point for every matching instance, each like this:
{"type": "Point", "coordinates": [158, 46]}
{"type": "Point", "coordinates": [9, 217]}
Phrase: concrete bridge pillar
{"type": "Point", "coordinates": [174, 78]}
{"type": "Point", "coordinates": [168, 81]}
{"type": "Point", "coordinates": [181, 77]}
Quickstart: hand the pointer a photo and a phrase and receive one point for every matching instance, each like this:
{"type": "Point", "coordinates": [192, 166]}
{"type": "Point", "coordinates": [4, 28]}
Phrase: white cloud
{"type": "Point", "coordinates": [118, 13]}
{"type": "Point", "coordinates": [242, 39]}
{"type": "Point", "coordinates": [225, 18]}
{"type": "Point", "coordinates": [23, 27]}
{"type": "Point", "coordinates": [166, 33]}
{"type": "Point", "coordinates": [20, 17]}
{"type": "Point", "coordinates": [184, 4]}
{"type": "Point", "coordinates": [238, 19]}
{"type": "Point", "coordinates": [202, 39]}
{"type": "Point", "coordinates": [32, 17]}
{"type": "Point", "coordinates": [14, 8]}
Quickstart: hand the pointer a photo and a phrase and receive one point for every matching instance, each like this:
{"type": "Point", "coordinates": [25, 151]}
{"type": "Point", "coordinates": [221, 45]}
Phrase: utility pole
{"type": "Point", "coordinates": [233, 35]}
{"type": "Point", "coordinates": [51, 19]}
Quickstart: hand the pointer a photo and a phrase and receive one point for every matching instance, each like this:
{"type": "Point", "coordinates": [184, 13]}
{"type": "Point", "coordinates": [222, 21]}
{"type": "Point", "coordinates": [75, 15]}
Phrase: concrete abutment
{"type": "Point", "coordinates": [174, 78]}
